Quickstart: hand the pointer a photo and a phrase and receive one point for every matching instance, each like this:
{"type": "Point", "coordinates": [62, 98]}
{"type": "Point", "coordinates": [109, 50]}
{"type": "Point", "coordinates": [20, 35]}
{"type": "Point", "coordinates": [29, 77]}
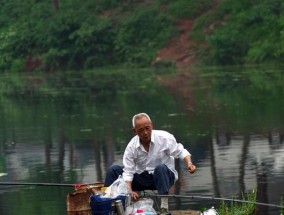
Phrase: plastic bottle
{"type": "Point", "coordinates": [210, 211]}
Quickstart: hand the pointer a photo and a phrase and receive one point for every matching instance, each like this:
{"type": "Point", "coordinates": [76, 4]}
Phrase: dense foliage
{"type": "Point", "coordinates": [245, 31]}
{"type": "Point", "coordinates": [79, 35]}
{"type": "Point", "coordinates": [71, 34]}
{"type": "Point", "coordinates": [67, 34]}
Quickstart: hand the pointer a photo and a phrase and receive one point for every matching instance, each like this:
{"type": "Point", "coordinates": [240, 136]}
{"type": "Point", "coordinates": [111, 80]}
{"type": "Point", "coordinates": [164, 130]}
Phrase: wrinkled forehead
{"type": "Point", "coordinates": [142, 122]}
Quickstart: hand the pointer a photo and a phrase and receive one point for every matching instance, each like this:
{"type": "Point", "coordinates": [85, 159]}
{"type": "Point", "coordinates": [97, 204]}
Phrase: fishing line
{"type": "Point", "coordinates": [155, 199]}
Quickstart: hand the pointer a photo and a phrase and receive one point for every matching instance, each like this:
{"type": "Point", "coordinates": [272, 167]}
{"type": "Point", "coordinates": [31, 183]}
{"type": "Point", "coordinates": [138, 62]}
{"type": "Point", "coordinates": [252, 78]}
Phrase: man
{"type": "Point", "coordinates": [149, 161]}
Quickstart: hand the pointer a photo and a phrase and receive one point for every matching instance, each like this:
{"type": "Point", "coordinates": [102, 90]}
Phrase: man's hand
{"type": "Point", "coordinates": [134, 196]}
{"type": "Point", "coordinates": [191, 167]}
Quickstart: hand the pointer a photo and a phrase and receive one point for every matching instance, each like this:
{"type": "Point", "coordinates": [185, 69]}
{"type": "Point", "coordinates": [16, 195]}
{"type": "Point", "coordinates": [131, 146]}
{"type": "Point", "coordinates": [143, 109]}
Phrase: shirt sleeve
{"type": "Point", "coordinates": [176, 149]}
{"type": "Point", "coordinates": [128, 163]}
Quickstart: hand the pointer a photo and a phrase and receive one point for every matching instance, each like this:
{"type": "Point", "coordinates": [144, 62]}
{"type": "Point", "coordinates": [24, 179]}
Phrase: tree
{"type": "Point", "coordinates": [55, 5]}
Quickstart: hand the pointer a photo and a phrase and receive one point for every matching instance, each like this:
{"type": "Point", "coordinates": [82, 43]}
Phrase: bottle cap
{"type": "Point", "coordinates": [139, 211]}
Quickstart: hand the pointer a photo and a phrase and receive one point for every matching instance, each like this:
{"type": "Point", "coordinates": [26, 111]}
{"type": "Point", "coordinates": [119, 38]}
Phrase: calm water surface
{"type": "Point", "coordinates": [62, 131]}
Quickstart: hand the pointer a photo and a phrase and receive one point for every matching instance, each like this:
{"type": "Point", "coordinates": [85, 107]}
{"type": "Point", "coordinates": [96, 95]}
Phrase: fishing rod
{"type": "Point", "coordinates": [99, 184]}
{"type": "Point", "coordinates": [217, 198]}
{"type": "Point", "coordinates": [49, 184]}
{"type": "Point", "coordinates": [36, 184]}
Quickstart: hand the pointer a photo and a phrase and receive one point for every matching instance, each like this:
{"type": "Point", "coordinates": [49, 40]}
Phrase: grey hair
{"type": "Point", "coordinates": [138, 116]}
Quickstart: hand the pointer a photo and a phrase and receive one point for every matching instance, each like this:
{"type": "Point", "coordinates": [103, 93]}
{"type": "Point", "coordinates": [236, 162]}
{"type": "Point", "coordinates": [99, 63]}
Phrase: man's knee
{"type": "Point", "coordinates": [161, 168]}
{"type": "Point", "coordinates": [163, 171]}
{"type": "Point", "coordinates": [112, 174]}
{"type": "Point", "coordinates": [115, 168]}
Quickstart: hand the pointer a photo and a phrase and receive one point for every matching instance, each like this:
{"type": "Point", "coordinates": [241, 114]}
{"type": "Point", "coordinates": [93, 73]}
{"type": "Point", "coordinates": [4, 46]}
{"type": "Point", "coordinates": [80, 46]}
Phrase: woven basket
{"type": "Point", "coordinates": [78, 202]}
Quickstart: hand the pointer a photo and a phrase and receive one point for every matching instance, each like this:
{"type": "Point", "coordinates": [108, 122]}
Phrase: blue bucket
{"type": "Point", "coordinates": [104, 206]}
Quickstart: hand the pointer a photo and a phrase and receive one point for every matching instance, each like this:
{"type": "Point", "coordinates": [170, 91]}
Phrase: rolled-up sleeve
{"type": "Point", "coordinates": [177, 150]}
{"type": "Point", "coordinates": [184, 153]}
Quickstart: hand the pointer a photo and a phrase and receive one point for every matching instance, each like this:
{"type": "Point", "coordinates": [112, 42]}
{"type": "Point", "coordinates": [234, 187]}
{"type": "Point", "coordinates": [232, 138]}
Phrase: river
{"type": "Point", "coordinates": [70, 128]}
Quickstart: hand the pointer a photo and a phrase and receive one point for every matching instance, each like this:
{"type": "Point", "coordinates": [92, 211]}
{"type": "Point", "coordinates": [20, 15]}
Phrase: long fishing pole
{"type": "Point", "coordinates": [219, 199]}
{"type": "Point", "coordinates": [48, 184]}
{"type": "Point", "coordinates": [36, 184]}
{"type": "Point", "coordinates": [157, 195]}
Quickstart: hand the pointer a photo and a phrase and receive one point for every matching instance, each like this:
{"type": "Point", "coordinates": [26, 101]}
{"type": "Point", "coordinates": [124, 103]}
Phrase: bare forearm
{"type": "Point", "coordinates": [187, 160]}
{"type": "Point", "coordinates": [134, 195]}
{"type": "Point", "coordinates": [188, 163]}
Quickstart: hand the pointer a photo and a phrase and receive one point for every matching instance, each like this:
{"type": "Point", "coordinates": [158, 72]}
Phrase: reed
{"type": "Point", "coordinates": [233, 208]}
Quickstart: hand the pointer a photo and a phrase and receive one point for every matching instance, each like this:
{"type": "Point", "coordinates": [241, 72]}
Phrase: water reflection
{"type": "Point", "coordinates": [234, 129]}
{"type": "Point", "coordinates": [247, 163]}
{"type": "Point", "coordinates": [228, 170]}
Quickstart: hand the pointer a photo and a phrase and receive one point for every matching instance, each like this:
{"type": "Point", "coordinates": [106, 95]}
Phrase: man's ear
{"type": "Point", "coordinates": [133, 130]}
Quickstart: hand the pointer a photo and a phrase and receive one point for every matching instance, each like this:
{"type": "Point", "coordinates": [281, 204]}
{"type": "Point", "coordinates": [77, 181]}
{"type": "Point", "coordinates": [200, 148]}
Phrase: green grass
{"type": "Point", "coordinates": [239, 208]}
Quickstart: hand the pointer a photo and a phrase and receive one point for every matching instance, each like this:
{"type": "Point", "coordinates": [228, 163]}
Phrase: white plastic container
{"type": "Point", "coordinates": [210, 211]}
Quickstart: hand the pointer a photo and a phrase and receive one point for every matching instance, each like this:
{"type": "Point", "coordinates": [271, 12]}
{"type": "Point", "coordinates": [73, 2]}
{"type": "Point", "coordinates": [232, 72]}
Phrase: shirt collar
{"type": "Point", "coordinates": [137, 142]}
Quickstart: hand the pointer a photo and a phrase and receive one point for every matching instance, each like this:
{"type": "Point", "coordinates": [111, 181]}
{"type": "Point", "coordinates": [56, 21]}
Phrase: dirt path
{"type": "Point", "coordinates": [180, 49]}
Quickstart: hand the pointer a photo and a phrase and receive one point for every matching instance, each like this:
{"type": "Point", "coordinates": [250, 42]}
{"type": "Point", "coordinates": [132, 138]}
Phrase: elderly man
{"type": "Point", "coordinates": [148, 160]}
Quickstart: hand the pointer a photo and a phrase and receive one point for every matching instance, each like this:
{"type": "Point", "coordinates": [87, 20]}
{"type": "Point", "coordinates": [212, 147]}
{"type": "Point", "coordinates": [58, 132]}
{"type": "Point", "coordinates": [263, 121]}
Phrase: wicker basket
{"type": "Point", "coordinates": [78, 202]}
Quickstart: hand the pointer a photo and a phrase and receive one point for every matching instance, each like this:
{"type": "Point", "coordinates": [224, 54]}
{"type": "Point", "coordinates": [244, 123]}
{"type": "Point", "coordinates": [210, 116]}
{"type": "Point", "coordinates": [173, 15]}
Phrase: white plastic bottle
{"type": "Point", "coordinates": [210, 211]}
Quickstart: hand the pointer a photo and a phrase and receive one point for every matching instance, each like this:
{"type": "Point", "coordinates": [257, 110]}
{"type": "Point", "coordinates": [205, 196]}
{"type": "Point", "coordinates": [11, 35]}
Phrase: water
{"type": "Point", "coordinates": [60, 130]}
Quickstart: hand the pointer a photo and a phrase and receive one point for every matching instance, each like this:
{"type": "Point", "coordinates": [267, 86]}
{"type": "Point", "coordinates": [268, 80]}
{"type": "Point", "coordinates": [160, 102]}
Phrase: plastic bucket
{"type": "Point", "coordinates": [104, 206]}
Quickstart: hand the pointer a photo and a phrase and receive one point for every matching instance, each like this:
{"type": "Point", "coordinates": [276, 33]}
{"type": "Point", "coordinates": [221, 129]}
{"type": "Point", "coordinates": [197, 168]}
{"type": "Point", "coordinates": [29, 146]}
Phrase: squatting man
{"type": "Point", "coordinates": [148, 161]}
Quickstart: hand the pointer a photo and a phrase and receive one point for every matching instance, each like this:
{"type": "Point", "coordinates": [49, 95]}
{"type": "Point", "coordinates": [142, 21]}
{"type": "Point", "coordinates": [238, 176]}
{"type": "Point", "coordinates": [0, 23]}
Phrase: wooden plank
{"type": "Point", "coordinates": [185, 212]}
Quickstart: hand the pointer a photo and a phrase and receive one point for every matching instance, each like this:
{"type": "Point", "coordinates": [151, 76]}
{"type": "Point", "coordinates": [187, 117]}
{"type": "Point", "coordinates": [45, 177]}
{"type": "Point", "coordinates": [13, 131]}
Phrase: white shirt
{"type": "Point", "coordinates": [163, 150]}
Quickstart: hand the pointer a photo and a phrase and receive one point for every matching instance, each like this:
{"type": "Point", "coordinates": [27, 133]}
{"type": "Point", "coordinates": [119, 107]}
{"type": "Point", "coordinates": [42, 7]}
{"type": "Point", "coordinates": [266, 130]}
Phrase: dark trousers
{"type": "Point", "coordinates": [161, 180]}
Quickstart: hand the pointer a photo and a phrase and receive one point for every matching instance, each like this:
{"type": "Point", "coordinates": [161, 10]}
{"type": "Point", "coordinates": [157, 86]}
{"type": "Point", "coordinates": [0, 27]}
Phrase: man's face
{"type": "Point", "coordinates": [143, 129]}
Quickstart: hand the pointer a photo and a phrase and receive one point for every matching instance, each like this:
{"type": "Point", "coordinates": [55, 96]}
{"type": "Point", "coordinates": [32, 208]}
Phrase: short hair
{"type": "Point", "coordinates": [138, 116]}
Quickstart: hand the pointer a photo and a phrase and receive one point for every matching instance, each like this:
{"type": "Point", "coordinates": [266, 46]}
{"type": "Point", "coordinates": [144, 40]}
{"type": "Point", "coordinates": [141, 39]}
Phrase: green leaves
{"type": "Point", "coordinates": [83, 35]}
{"type": "Point", "coordinates": [240, 209]}
{"type": "Point", "coordinates": [189, 8]}
{"type": "Point", "coordinates": [96, 33]}
{"type": "Point", "coordinates": [250, 32]}
{"type": "Point", "coordinates": [228, 46]}
{"type": "Point", "coordinates": [141, 33]}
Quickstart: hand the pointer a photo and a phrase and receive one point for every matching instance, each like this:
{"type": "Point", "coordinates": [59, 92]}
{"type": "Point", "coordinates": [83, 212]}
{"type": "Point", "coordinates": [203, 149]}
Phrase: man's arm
{"type": "Point", "coordinates": [177, 150]}
{"type": "Point", "coordinates": [134, 195]}
{"type": "Point", "coordinates": [129, 170]}
{"type": "Point", "coordinates": [188, 163]}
